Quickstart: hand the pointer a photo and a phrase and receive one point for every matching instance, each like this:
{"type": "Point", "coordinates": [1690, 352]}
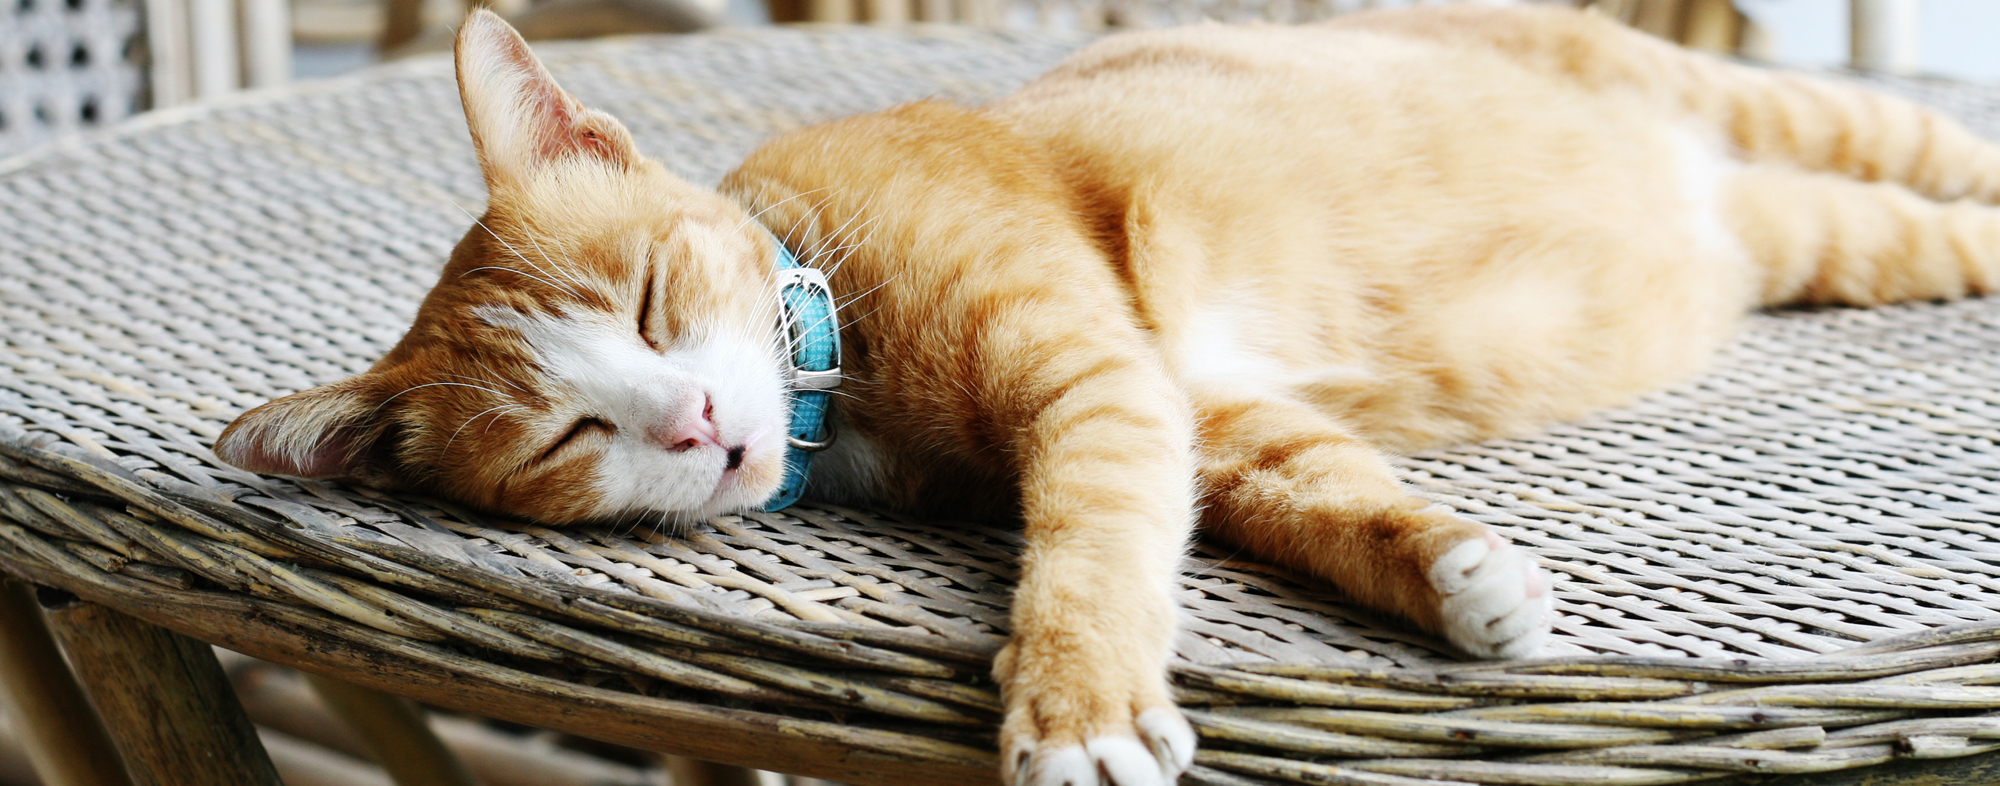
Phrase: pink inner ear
{"type": "Point", "coordinates": [334, 455]}
{"type": "Point", "coordinates": [564, 131]}
{"type": "Point", "coordinates": [556, 120]}
{"type": "Point", "coordinates": [561, 126]}
{"type": "Point", "coordinates": [578, 138]}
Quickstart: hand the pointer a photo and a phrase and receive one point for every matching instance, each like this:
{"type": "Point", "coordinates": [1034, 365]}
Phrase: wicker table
{"type": "Point", "coordinates": [1787, 566]}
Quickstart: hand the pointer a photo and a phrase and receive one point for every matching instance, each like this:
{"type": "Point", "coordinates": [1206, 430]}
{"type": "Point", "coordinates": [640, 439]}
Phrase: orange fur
{"type": "Point", "coordinates": [1295, 248]}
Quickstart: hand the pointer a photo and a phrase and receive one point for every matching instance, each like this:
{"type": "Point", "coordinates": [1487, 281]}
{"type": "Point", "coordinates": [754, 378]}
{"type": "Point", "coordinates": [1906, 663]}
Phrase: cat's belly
{"type": "Point", "coordinates": [1410, 251]}
{"type": "Point", "coordinates": [1474, 333]}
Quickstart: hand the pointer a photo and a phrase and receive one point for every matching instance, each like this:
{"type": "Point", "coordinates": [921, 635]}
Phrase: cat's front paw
{"type": "Point", "coordinates": [1494, 602]}
{"type": "Point", "coordinates": [1089, 726]}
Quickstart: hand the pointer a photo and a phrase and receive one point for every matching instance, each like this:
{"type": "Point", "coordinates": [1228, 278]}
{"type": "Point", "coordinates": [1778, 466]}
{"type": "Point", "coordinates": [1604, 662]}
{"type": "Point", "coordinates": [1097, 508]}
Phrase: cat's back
{"type": "Point", "coordinates": [1404, 70]}
{"type": "Point", "coordinates": [1372, 101]}
{"type": "Point", "coordinates": [1387, 185]}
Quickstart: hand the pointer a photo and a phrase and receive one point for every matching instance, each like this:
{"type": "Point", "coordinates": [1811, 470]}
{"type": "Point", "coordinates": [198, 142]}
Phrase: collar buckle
{"type": "Point", "coordinates": [804, 379]}
{"type": "Point", "coordinates": [810, 322]}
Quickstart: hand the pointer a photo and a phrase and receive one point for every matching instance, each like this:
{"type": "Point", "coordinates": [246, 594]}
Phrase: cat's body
{"type": "Point", "coordinates": [1375, 262]}
{"type": "Point", "coordinates": [1210, 268]}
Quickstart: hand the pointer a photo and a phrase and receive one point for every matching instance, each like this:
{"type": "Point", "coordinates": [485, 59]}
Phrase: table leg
{"type": "Point", "coordinates": [394, 731]}
{"type": "Point", "coordinates": [64, 739]}
{"type": "Point", "coordinates": [402, 22]}
{"type": "Point", "coordinates": [164, 698]}
{"type": "Point", "coordinates": [695, 772]}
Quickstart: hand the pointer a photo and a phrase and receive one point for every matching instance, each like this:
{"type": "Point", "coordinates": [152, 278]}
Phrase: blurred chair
{"type": "Point", "coordinates": [70, 65]}
{"type": "Point", "coordinates": [410, 27]}
{"type": "Point", "coordinates": [1883, 35]}
{"type": "Point", "coordinates": [1883, 31]}
{"type": "Point", "coordinates": [201, 49]}
{"type": "Point", "coordinates": [65, 65]}
{"type": "Point", "coordinates": [1708, 25]}
{"type": "Point", "coordinates": [1713, 25]}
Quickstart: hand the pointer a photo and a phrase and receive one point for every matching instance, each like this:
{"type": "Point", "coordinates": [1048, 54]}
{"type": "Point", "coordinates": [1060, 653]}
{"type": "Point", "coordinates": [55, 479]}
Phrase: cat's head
{"type": "Point", "coordinates": [603, 344]}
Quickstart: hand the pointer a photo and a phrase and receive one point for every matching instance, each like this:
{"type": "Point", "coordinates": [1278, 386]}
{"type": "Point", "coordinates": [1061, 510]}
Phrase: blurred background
{"type": "Point", "coordinates": [1953, 38]}
{"type": "Point", "coordinates": [70, 67]}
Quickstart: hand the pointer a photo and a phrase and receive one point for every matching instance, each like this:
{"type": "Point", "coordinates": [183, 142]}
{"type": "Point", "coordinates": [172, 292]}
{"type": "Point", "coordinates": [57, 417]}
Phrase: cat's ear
{"type": "Point", "coordinates": [521, 119]}
{"type": "Point", "coordinates": [330, 431]}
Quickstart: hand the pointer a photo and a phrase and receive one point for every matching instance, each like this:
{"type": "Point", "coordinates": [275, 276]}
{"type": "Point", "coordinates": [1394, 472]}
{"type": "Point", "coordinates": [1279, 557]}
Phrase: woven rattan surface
{"type": "Point", "coordinates": [1787, 565]}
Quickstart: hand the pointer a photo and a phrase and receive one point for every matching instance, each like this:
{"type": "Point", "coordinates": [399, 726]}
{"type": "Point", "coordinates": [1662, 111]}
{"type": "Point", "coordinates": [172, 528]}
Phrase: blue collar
{"type": "Point", "coordinates": [812, 330]}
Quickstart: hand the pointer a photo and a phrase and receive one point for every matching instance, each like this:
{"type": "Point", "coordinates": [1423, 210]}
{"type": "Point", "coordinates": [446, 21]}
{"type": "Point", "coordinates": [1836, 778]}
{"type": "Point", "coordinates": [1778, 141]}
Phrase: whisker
{"type": "Point", "coordinates": [551, 284]}
{"type": "Point", "coordinates": [855, 298]}
{"type": "Point", "coordinates": [857, 320]}
{"type": "Point", "coordinates": [485, 381]}
{"type": "Point", "coordinates": [811, 218]}
{"type": "Point", "coordinates": [496, 419]}
{"type": "Point", "coordinates": [468, 422]}
{"type": "Point", "coordinates": [839, 240]}
{"type": "Point", "coordinates": [833, 236]}
{"type": "Point", "coordinates": [835, 267]}
{"type": "Point", "coordinates": [489, 370]}
{"type": "Point", "coordinates": [385, 402]}
{"type": "Point", "coordinates": [774, 206]}
{"type": "Point", "coordinates": [552, 263]}
{"type": "Point", "coordinates": [516, 252]}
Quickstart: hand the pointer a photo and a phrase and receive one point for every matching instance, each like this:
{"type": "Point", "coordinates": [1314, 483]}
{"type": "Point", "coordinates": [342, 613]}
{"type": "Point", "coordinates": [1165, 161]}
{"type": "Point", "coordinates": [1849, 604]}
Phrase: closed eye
{"type": "Point", "coordinates": [582, 427]}
{"type": "Point", "coordinates": [646, 311]}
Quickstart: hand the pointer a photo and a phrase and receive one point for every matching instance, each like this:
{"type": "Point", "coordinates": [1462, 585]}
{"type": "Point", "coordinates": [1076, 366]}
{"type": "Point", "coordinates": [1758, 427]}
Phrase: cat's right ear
{"type": "Point", "coordinates": [330, 431]}
{"type": "Point", "coordinates": [521, 120]}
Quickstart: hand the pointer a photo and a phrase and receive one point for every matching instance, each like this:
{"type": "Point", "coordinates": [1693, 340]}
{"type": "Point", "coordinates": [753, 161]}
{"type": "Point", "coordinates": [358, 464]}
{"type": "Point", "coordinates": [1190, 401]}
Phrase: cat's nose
{"type": "Point", "coordinates": [692, 429]}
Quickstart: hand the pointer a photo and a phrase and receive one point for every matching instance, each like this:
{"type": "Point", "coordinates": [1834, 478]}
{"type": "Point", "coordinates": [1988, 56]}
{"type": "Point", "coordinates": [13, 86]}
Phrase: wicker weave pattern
{"type": "Point", "coordinates": [65, 65]}
{"type": "Point", "coordinates": [1832, 483]}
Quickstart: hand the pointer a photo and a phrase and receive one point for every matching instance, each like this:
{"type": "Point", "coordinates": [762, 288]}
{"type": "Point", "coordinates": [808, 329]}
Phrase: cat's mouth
{"type": "Point", "coordinates": [743, 469]}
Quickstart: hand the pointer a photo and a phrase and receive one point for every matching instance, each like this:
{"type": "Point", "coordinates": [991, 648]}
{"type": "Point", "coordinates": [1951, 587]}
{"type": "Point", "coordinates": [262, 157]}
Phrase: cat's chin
{"type": "Point", "coordinates": [733, 496]}
{"type": "Point", "coordinates": [678, 522]}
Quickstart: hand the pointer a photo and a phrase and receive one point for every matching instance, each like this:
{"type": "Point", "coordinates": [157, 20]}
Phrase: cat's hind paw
{"type": "Point", "coordinates": [1162, 749]}
{"type": "Point", "coordinates": [1494, 601]}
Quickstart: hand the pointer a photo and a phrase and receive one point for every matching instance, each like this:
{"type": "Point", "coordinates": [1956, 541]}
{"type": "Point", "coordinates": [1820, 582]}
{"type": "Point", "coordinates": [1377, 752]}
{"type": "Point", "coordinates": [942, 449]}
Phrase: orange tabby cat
{"type": "Point", "coordinates": [1212, 268]}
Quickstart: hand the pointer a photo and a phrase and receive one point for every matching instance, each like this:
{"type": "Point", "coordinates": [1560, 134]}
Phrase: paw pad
{"type": "Point", "coordinates": [1496, 602]}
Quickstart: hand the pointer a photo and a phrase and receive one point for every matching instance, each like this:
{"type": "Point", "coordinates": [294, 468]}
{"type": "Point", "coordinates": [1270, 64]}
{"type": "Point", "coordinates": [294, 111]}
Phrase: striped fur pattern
{"type": "Point", "coordinates": [1203, 277]}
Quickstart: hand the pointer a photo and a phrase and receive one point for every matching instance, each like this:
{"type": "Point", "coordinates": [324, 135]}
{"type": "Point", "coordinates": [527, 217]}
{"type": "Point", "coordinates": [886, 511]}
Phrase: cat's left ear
{"type": "Point", "coordinates": [521, 120]}
{"type": "Point", "coordinates": [331, 431]}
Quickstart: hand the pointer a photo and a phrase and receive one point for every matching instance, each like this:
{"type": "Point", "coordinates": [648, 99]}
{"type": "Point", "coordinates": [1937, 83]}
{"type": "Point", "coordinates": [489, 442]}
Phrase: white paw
{"type": "Point", "coordinates": [1496, 601]}
{"type": "Point", "coordinates": [1163, 749]}
{"type": "Point", "coordinates": [1170, 738]}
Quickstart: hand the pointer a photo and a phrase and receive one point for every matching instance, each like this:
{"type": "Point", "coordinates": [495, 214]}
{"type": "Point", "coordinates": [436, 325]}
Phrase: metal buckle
{"type": "Point", "coordinates": [805, 277]}
{"type": "Point", "coordinates": [807, 379]}
{"type": "Point", "coordinates": [803, 379]}
{"type": "Point", "coordinates": [826, 439]}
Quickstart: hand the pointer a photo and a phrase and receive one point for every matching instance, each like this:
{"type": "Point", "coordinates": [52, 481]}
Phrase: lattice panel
{"type": "Point", "coordinates": [65, 65]}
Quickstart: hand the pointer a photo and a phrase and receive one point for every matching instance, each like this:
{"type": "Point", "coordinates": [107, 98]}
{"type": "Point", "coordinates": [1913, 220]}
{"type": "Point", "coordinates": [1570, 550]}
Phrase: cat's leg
{"type": "Point", "coordinates": [1009, 345]}
{"type": "Point", "coordinates": [1826, 239]}
{"type": "Point", "coordinates": [1292, 486]}
{"type": "Point", "coordinates": [1107, 484]}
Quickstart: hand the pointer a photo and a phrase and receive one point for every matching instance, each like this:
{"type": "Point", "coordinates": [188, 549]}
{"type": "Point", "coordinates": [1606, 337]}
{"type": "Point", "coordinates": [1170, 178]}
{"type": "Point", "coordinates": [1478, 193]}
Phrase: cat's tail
{"type": "Point", "coordinates": [1825, 238]}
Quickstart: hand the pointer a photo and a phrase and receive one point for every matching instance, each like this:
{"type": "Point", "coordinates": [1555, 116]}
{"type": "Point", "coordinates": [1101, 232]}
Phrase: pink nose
{"type": "Point", "coordinates": [692, 429]}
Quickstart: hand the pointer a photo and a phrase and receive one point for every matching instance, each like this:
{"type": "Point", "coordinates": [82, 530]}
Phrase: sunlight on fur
{"type": "Point", "coordinates": [1215, 269]}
